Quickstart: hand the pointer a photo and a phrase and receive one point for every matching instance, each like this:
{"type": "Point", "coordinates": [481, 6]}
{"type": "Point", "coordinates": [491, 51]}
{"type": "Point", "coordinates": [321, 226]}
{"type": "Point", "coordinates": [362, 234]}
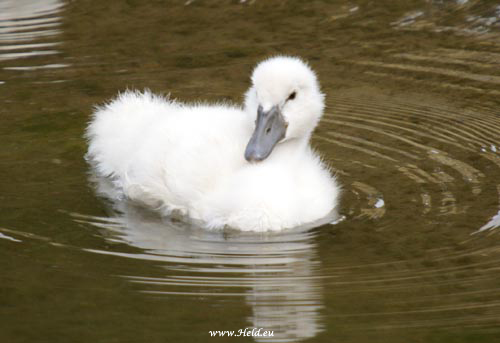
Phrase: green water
{"type": "Point", "coordinates": [412, 129]}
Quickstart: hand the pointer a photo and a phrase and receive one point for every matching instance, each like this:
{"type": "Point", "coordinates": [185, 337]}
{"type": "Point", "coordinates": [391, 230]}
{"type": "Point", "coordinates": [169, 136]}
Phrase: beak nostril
{"type": "Point", "coordinates": [270, 128]}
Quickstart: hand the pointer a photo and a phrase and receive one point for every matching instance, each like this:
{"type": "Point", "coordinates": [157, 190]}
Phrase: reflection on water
{"type": "Point", "coordinates": [412, 130]}
{"type": "Point", "coordinates": [26, 27]}
{"type": "Point", "coordinates": [471, 17]}
{"type": "Point", "coordinates": [493, 223]}
{"type": "Point", "coordinates": [276, 274]}
{"type": "Point", "coordinates": [4, 236]}
{"type": "Point", "coordinates": [495, 220]}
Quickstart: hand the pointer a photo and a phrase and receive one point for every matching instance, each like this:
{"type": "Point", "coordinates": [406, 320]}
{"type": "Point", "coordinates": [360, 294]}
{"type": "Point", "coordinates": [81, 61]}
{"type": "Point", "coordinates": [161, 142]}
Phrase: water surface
{"type": "Point", "coordinates": [412, 130]}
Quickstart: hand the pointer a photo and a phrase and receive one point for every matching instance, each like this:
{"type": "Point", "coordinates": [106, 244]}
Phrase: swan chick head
{"type": "Point", "coordinates": [287, 101]}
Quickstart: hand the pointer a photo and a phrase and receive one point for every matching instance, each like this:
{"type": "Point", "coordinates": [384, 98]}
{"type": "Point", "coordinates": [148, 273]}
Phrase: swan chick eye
{"type": "Point", "coordinates": [292, 96]}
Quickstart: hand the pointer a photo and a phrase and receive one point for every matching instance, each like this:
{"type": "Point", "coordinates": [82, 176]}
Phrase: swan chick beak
{"type": "Point", "coordinates": [270, 128]}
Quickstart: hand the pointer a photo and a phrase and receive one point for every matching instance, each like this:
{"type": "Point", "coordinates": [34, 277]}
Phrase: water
{"type": "Point", "coordinates": [412, 129]}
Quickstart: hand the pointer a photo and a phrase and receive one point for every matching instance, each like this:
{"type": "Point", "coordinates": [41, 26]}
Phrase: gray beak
{"type": "Point", "coordinates": [270, 128]}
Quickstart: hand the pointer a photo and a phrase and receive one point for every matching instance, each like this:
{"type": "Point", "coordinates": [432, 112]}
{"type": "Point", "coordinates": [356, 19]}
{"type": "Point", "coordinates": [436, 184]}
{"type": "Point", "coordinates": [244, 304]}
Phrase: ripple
{"type": "Point", "coordinates": [9, 238]}
{"type": "Point", "coordinates": [414, 177]}
{"type": "Point", "coordinates": [431, 165]}
{"type": "Point", "coordinates": [26, 28]}
{"type": "Point", "coordinates": [46, 66]}
{"type": "Point", "coordinates": [424, 143]}
{"type": "Point", "coordinates": [486, 78]}
{"type": "Point", "coordinates": [400, 116]}
{"type": "Point", "coordinates": [276, 274]}
{"type": "Point", "coordinates": [460, 17]}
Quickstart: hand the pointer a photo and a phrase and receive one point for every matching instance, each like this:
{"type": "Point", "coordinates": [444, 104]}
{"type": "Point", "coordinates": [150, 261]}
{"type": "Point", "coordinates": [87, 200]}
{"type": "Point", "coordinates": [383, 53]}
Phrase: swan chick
{"type": "Point", "coordinates": [249, 168]}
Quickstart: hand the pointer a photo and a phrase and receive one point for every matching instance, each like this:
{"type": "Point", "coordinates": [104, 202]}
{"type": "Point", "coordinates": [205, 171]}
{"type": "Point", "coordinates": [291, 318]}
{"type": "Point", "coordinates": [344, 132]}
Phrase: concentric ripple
{"type": "Point", "coordinates": [400, 163]}
{"type": "Point", "coordinates": [417, 144]}
{"type": "Point", "coordinates": [411, 130]}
